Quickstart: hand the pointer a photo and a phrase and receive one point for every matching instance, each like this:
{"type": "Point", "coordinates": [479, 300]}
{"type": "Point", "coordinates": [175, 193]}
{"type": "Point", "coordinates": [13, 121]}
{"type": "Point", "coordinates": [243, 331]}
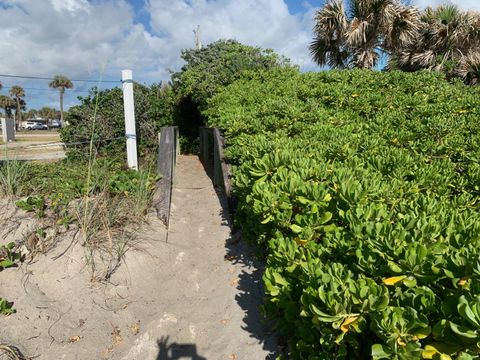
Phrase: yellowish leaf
{"type": "Point", "coordinates": [393, 280]}
{"type": "Point", "coordinates": [300, 241]}
{"type": "Point", "coordinates": [74, 339]}
{"type": "Point", "coordinates": [347, 322]}
{"type": "Point", "coordinates": [430, 351]}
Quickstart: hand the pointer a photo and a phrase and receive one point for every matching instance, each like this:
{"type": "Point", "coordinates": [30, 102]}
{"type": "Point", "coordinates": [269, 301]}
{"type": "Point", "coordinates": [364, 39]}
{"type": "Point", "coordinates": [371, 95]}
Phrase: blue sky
{"type": "Point", "coordinates": [89, 39]}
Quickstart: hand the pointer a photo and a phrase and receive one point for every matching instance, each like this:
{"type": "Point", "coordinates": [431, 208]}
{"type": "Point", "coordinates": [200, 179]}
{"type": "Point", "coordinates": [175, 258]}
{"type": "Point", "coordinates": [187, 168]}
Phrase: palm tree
{"type": "Point", "coordinates": [61, 82]}
{"type": "Point", "coordinates": [17, 93]}
{"type": "Point", "coordinates": [355, 37]}
{"type": "Point", "coordinates": [7, 104]}
{"type": "Point", "coordinates": [449, 41]}
{"type": "Point", "coordinates": [468, 68]}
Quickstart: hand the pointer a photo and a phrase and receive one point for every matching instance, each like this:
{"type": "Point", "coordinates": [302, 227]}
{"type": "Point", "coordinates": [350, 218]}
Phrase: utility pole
{"type": "Point", "coordinates": [198, 43]}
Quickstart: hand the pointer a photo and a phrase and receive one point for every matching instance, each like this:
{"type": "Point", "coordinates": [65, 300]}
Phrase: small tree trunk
{"type": "Point", "coordinates": [18, 116]}
{"type": "Point", "coordinates": [62, 90]}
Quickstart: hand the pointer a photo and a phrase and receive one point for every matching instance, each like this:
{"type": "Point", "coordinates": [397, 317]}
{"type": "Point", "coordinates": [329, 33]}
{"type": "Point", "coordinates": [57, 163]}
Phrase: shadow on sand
{"type": "Point", "coordinates": [250, 283]}
{"type": "Point", "coordinates": [174, 351]}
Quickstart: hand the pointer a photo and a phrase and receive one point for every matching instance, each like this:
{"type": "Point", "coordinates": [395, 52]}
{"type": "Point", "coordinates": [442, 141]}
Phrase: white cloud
{"type": "Point", "coordinates": [265, 23]}
{"type": "Point", "coordinates": [70, 5]}
{"type": "Point", "coordinates": [81, 38]}
{"type": "Point", "coordinates": [462, 4]}
{"type": "Point", "coordinates": [71, 37]}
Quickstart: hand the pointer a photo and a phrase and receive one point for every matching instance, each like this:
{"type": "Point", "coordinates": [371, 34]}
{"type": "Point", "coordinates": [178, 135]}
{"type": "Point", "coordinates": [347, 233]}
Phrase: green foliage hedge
{"type": "Point", "coordinates": [219, 64]}
{"type": "Point", "coordinates": [205, 71]}
{"type": "Point", "coordinates": [363, 187]}
{"type": "Point", "coordinates": [101, 113]}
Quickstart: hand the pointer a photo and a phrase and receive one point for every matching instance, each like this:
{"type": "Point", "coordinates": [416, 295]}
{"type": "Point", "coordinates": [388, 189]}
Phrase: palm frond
{"type": "Point", "coordinates": [356, 36]}
{"type": "Point", "coordinates": [469, 68]}
{"type": "Point", "coordinates": [365, 58]}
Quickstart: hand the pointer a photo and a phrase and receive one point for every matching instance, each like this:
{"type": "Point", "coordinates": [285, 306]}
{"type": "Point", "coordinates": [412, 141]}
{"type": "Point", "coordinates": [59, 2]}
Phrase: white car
{"type": "Point", "coordinates": [33, 125]}
{"type": "Point", "coordinates": [55, 124]}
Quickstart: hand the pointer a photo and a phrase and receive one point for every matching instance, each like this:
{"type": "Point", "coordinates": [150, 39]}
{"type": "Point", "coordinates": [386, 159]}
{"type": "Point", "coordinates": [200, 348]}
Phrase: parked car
{"type": "Point", "coordinates": [55, 124]}
{"type": "Point", "coordinates": [33, 125]}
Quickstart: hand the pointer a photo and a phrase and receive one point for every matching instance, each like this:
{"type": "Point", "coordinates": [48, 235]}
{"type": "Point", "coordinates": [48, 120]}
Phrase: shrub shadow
{"type": "Point", "coordinates": [250, 284]}
{"type": "Point", "coordinates": [174, 351]}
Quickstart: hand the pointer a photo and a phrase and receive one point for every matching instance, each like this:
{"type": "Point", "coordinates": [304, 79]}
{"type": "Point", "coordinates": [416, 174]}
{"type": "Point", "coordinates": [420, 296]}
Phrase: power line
{"type": "Point", "coordinates": [47, 78]}
{"type": "Point", "coordinates": [44, 89]}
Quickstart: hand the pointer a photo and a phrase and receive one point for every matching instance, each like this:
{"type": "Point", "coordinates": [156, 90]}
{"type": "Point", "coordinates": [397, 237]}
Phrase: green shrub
{"type": "Point", "coordinates": [205, 72]}
{"type": "Point", "coordinates": [12, 177]}
{"type": "Point", "coordinates": [100, 118]}
{"type": "Point", "coordinates": [363, 188]}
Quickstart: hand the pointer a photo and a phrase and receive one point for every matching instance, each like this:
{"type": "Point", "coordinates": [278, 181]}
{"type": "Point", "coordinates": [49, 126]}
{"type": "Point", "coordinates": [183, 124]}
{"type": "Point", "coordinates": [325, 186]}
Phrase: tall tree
{"type": "Point", "coordinates": [61, 83]}
{"type": "Point", "coordinates": [219, 64]}
{"type": "Point", "coordinates": [49, 114]}
{"type": "Point", "coordinates": [31, 114]}
{"type": "Point", "coordinates": [17, 93]}
{"type": "Point", "coordinates": [448, 41]}
{"type": "Point", "coordinates": [210, 68]}
{"type": "Point", "coordinates": [356, 36]}
{"type": "Point", "coordinates": [7, 104]}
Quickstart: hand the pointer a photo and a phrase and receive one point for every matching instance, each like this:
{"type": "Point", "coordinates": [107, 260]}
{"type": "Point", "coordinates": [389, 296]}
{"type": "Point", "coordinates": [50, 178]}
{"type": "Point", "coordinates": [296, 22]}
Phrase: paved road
{"type": "Point", "coordinates": [211, 284]}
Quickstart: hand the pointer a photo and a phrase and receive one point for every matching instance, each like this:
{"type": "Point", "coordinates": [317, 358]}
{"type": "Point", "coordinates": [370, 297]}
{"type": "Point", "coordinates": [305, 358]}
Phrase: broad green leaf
{"type": "Point", "coordinates": [279, 279]}
{"type": "Point", "coordinates": [466, 312]}
{"type": "Point", "coordinates": [267, 219]}
{"type": "Point", "coordinates": [323, 316]}
{"type": "Point", "coordinates": [394, 267]}
{"type": "Point", "coordinates": [303, 200]}
{"type": "Point", "coordinates": [463, 331]}
{"type": "Point", "coordinates": [410, 282]}
{"type": "Point", "coordinates": [296, 229]}
{"type": "Point", "coordinates": [378, 352]}
{"type": "Point", "coordinates": [423, 332]}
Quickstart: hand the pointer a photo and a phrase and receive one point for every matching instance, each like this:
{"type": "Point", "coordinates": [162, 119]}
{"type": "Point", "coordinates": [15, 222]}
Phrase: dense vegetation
{"type": "Point", "coordinates": [179, 103]}
{"type": "Point", "coordinates": [362, 187]}
{"type": "Point", "coordinates": [357, 33]}
{"type": "Point", "coordinates": [207, 70]}
{"type": "Point", "coordinates": [100, 118]}
{"type": "Point", "coordinates": [101, 198]}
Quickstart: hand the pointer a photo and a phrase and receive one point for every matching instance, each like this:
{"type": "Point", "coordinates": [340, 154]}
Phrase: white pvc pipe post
{"type": "Point", "coordinates": [129, 109]}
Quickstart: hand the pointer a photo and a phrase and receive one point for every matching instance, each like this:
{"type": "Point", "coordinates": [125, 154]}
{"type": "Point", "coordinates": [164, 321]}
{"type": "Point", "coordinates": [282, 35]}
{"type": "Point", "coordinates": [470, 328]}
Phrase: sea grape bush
{"type": "Point", "coordinates": [363, 188]}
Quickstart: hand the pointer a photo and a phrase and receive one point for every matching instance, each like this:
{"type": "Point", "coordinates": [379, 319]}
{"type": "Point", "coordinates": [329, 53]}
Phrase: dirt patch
{"type": "Point", "coordinates": [60, 313]}
{"type": "Point", "coordinates": [15, 224]}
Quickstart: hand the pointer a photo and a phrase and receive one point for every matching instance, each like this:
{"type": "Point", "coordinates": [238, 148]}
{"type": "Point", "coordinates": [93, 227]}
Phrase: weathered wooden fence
{"type": "Point", "coordinates": [168, 149]}
{"type": "Point", "coordinates": [212, 144]}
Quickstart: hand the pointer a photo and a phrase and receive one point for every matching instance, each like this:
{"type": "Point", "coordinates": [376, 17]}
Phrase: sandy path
{"type": "Point", "coordinates": [191, 293]}
{"type": "Point", "coordinates": [210, 286]}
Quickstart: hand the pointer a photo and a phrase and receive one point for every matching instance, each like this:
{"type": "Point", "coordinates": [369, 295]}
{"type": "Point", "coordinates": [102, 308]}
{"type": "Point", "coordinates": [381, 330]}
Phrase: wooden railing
{"type": "Point", "coordinates": [168, 150]}
{"type": "Point", "coordinates": [212, 144]}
